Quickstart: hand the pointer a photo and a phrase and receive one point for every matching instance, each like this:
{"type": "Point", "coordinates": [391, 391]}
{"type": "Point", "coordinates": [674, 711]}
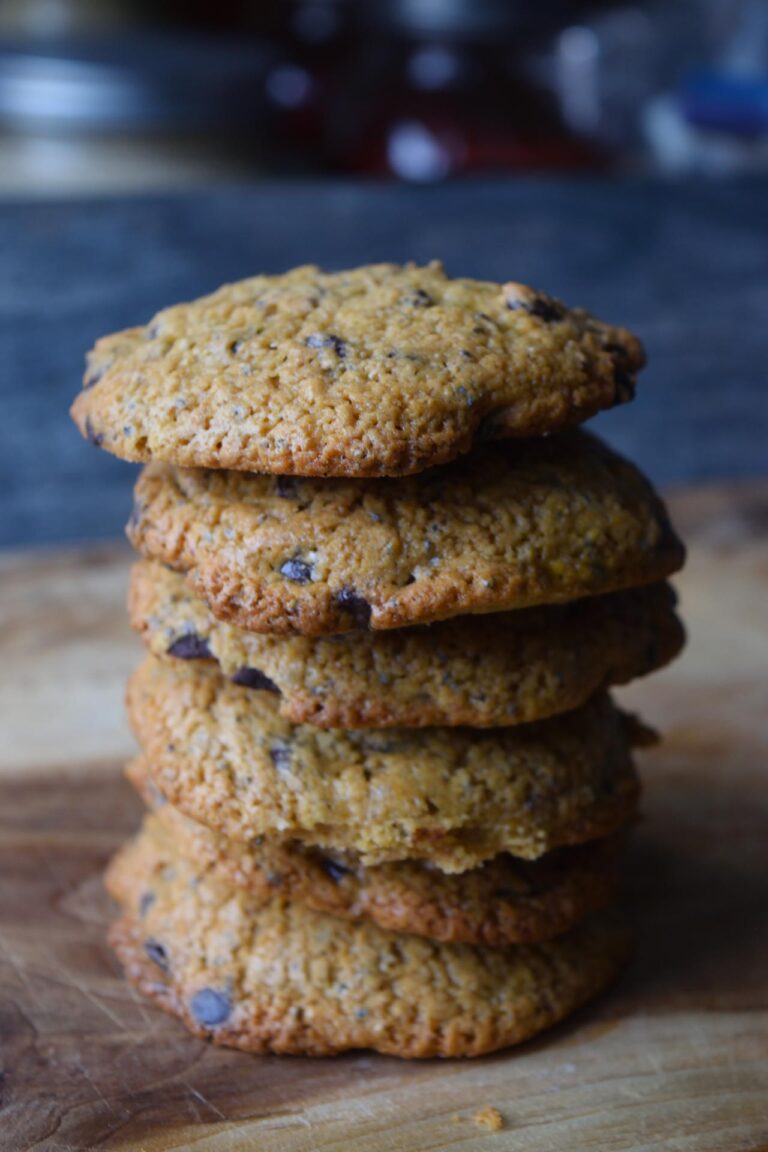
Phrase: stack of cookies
{"type": "Point", "coordinates": [385, 585]}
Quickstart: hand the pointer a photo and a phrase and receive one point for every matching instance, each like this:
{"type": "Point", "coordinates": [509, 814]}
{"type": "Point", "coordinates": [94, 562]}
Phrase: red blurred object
{"type": "Point", "coordinates": [439, 89]}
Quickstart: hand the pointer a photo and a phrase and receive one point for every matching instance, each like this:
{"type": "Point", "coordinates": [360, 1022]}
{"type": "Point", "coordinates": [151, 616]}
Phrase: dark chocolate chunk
{"type": "Point", "coordinates": [286, 487]}
{"type": "Point", "coordinates": [356, 605]}
{"type": "Point", "coordinates": [146, 902]}
{"type": "Point", "coordinates": [281, 756]}
{"type": "Point", "coordinates": [328, 340]}
{"type": "Point", "coordinates": [296, 570]}
{"type": "Point", "coordinates": [418, 299]}
{"type": "Point", "coordinates": [91, 435]}
{"type": "Point", "coordinates": [190, 647]}
{"type": "Point", "coordinates": [93, 375]}
{"type": "Point", "coordinates": [210, 1007]}
{"type": "Point", "coordinates": [625, 385]}
{"type": "Point", "coordinates": [332, 868]}
{"type": "Point", "coordinates": [252, 678]}
{"type": "Point", "coordinates": [545, 307]}
{"type": "Point", "coordinates": [157, 955]}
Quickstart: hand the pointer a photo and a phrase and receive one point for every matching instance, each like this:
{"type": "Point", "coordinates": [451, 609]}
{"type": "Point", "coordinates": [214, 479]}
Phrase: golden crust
{"type": "Point", "coordinates": [276, 977]}
{"type": "Point", "coordinates": [505, 901]}
{"type": "Point", "coordinates": [455, 796]}
{"type": "Point", "coordinates": [483, 671]}
{"type": "Point", "coordinates": [379, 371]}
{"type": "Point", "coordinates": [535, 522]}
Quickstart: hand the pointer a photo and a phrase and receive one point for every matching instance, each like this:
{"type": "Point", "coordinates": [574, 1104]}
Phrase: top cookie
{"type": "Point", "coordinates": [384, 370]}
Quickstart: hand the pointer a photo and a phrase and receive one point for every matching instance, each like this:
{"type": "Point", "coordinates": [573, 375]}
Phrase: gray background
{"type": "Point", "coordinates": [685, 265]}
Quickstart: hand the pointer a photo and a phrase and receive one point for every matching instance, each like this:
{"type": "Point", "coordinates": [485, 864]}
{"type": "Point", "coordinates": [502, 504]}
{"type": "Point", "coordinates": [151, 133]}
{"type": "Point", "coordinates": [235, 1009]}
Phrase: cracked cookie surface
{"type": "Point", "coordinates": [506, 901]}
{"type": "Point", "coordinates": [378, 371]}
{"type": "Point", "coordinates": [455, 796]}
{"type": "Point", "coordinates": [273, 976]}
{"type": "Point", "coordinates": [512, 526]}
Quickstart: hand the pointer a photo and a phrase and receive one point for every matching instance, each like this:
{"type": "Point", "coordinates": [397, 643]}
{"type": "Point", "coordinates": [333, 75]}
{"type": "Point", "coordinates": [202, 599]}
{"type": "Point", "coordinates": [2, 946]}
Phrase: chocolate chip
{"type": "Point", "coordinates": [146, 902]}
{"type": "Point", "coordinates": [418, 299]}
{"type": "Point", "coordinates": [157, 955]}
{"type": "Point", "coordinates": [545, 307]}
{"type": "Point", "coordinates": [332, 868]}
{"type": "Point", "coordinates": [281, 756]}
{"type": "Point", "coordinates": [327, 340]}
{"type": "Point", "coordinates": [356, 605]}
{"type": "Point", "coordinates": [296, 570]}
{"type": "Point", "coordinates": [235, 346]}
{"type": "Point", "coordinates": [92, 376]}
{"type": "Point", "coordinates": [625, 385]}
{"type": "Point", "coordinates": [252, 678]}
{"type": "Point", "coordinates": [190, 647]}
{"type": "Point", "coordinates": [286, 487]}
{"type": "Point", "coordinates": [91, 435]}
{"type": "Point", "coordinates": [210, 1008]}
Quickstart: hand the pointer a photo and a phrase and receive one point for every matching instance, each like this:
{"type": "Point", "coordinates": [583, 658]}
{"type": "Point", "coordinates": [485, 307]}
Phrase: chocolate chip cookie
{"type": "Point", "coordinates": [483, 671]}
{"type": "Point", "coordinates": [505, 901]}
{"type": "Point", "coordinates": [454, 796]}
{"type": "Point", "coordinates": [274, 976]}
{"type": "Point", "coordinates": [380, 371]}
{"type": "Point", "coordinates": [515, 525]}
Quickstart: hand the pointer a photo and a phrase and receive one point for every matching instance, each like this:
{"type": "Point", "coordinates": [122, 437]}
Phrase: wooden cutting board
{"type": "Point", "coordinates": [676, 1057]}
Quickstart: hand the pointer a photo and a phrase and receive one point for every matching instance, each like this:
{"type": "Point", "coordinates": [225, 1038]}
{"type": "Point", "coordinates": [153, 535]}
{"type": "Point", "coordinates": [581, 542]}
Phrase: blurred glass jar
{"type": "Point", "coordinates": [129, 109]}
{"type": "Point", "coordinates": [439, 88]}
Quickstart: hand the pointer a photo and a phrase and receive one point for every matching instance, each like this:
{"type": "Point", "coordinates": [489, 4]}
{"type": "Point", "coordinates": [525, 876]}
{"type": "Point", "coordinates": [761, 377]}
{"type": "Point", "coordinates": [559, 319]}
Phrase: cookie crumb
{"type": "Point", "coordinates": [489, 1118]}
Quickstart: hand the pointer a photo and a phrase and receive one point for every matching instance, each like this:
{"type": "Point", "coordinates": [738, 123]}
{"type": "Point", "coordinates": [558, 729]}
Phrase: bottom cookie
{"type": "Point", "coordinates": [504, 901]}
{"type": "Point", "coordinates": [272, 976]}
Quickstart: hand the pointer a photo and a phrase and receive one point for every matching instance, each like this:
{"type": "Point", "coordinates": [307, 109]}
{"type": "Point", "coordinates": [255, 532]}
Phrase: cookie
{"type": "Point", "coordinates": [484, 671]}
{"type": "Point", "coordinates": [518, 524]}
{"type": "Point", "coordinates": [380, 371]}
{"type": "Point", "coordinates": [274, 976]}
{"type": "Point", "coordinates": [454, 796]}
{"type": "Point", "coordinates": [506, 901]}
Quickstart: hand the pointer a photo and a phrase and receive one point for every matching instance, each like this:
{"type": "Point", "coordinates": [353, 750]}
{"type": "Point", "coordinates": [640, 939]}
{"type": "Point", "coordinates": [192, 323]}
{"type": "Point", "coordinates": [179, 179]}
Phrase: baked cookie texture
{"type": "Point", "coordinates": [380, 371]}
{"type": "Point", "coordinates": [506, 901]}
{"type": "Point", "coordinates": [511, 526]}
{"type": "Point", "coordinates": [483, 671]}
{"type": "Point", "coordinates": [225, 757]}
{"type": "Point", "coordinates": [273, 976]}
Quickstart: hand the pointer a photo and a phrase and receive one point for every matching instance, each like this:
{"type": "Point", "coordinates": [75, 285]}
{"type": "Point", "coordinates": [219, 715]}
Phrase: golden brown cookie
{"type": "Point", "coordinates": [454, 796]}
{"type": "Point", "coordinates": [379, 371]}
{"type": "Point", "coordinates": [517, 524]}
{"type": "Point", "coordinates": [273, 976]}
{"type": "Point", "coordinates": [484, 671]}
{"type": "Point", "coordinates": [506, 901]}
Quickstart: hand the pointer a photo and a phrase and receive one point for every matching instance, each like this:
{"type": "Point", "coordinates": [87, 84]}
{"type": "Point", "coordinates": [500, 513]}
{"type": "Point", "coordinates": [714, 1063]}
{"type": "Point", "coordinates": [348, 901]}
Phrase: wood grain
{"type": "Point", "coordinates": [675, 1058]}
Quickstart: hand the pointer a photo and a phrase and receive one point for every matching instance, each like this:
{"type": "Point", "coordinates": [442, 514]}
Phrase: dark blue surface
{"type": "Point", "coordinates": [685, 265]}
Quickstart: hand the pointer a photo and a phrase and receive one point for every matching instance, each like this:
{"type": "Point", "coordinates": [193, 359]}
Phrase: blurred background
{"type": "Point", "coordinates": [114, 94]}
{"type": "Point", "coordinates": [614, 153]}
